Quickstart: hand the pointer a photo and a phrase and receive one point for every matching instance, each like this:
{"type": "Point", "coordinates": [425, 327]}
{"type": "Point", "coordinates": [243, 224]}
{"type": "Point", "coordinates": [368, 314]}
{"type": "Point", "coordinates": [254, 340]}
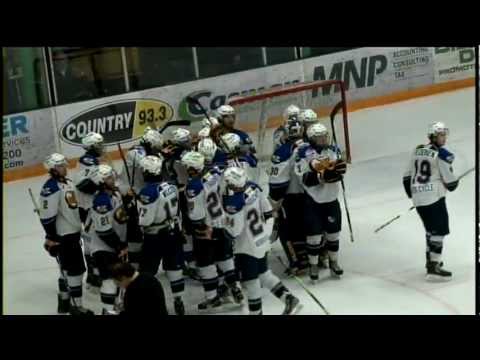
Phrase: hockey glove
{"type": "Point", "coordinates": [406, 186]}
{"type": "Point", "coordinates": [341, 167]}
{"type": "Point", "coordinates": [52, 247]}
{"type": "Point", "coordinates": [331, 176]}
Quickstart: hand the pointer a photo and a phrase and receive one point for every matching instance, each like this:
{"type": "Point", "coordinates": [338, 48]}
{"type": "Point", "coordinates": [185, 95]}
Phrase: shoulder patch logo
{"type": "Point", "coordinates": [102, 209]}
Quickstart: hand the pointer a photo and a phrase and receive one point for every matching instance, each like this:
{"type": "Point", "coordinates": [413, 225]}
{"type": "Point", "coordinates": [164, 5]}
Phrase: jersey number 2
{"type": "Point", "coordinates": [424, 170]}
{"type": "Point", "coordinates": [213, 206]}
{"type": "Point", "coordinates": [255, 226]}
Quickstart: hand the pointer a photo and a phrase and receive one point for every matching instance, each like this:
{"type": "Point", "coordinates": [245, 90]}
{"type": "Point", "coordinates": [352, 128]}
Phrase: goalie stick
{"type": "Point", "coordinates": [332, 117]}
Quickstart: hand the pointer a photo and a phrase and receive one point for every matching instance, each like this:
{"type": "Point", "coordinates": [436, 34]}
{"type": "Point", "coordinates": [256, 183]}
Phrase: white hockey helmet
{"type": "Point", "coordinates": [207, 148]}
{"type": "Point", "coordinates": [153, 138]}
{"type": "Point", "coordinates": [94, 141]}
{"type": "Point", "coordinates": [152, 164]}
{"type": "Point", "coordinates": [235, 177]}
{"type": "Point", "coordinates": [102, 172]}
{"type": "Point", "coordinates": [292, 111]}
{"type": "Point", "coordinates": [193, 159]}
{"type": "Point", "coordinates": [53, 160]}
{"type": "Point", "coordinates": [316, 130]}
{"type": "Point", "coordinates": [210, 122]}
{"type": "Point", "coordinates": [181, 136]}
{"type": "Point", "coordinates": [437, 128]}
{"type": "Point", "coordinates": [307, 116]}
{"type": "Point", "coordinates": [230, 142]}
{"type": "Point", "coordinates": [204, 132]}
{"type": "Point", "coordinates": [225, 110]}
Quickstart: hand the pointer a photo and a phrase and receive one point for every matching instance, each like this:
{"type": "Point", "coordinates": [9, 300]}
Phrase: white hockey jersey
{"type": "Point", "coordinates": [158, 207]}
{"type": "Point", "coordinates": [108, 220]}
{"type": "Point", "coordinates": [86, 166]}
{"type": "Point", "coordinates": [245, 220]}
{"type": "Point", "coordinates": [430, 169]}
{"type": "Point", "coordinates": [204, 202]}
{"type": "Point", "coordinates": [59, 206]}
{"type": "Point", "coordinates": [282, 171]}
{"type": "Point", "coordinates": [133, 159]}
{"type": "Point", "coordinates": [321, 192]}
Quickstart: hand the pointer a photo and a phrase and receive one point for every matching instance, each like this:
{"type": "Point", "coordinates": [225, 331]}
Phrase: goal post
{"type": "Point", "coordinates": [260, 114]}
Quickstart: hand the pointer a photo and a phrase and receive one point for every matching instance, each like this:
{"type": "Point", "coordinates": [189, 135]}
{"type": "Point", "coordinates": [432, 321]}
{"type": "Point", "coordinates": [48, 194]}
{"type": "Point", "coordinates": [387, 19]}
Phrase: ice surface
{"type": "Point", "coordinates": [384, 272]}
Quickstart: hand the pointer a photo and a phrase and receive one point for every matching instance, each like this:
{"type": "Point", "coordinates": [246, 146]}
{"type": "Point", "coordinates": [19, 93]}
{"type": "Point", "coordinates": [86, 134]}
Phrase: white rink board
{"type": "Point", "coordinates": [384, 273]}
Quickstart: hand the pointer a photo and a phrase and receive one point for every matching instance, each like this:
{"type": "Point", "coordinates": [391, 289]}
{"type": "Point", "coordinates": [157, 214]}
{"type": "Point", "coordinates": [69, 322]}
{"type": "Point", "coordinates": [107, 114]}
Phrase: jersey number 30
{"type": "Point", "coordinates": [424, 171]}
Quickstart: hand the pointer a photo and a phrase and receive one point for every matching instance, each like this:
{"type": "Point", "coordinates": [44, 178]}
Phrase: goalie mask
{"type": "Point", "coordinates": [294, 130]}
{"type": "Point", "coordinates": [317, 135]}
{"type": "Point", "coordinates": [291, 113]}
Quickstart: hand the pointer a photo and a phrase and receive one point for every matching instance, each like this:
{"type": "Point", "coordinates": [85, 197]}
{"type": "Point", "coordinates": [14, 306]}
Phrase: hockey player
{"type": "Point", "coordinates": [150, 144]}
{"type": "Point", "coordinates": [249, 224]}
{"type": "Point", "coordinates": [280, 134]}
{"type": "Point", "coordinates": [108, 232]}
{"type": "Point", "coordinates": [159, 216]}
{"type": "Point", "coordinates": [429, 175]}
{"type": "Point", "coordinates": [226, 118]}
{"type": "Point", "coordinates": [320, 168]}
{"type": "Point", "coordinates": [232, 155]}
{"type": "Point", "coordinates": [176, 173]}
{"type": "Point", "coordinates": [94, 149]}
{"type": "Point", "coordinates": [210, 244]}
{"type": "Point", "coordinates": [287, 197]}
{"type": "Point", "coordinates": [60, 217]}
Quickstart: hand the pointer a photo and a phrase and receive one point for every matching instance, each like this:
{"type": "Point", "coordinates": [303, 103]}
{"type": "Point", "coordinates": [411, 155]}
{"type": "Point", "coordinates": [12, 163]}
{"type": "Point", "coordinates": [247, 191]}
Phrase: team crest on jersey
{"type": "Point", "coordinates": [88, 160]}
{"type": "Point", "coordinates": [191, 193]}
{"type": "Point", "coordinates": [331, 219]}
{"type": "Point", "coordinates": [230, 208]}
{"type": "Point", "coordinates": [120, 215]}
{"type": "Point", "coordinates": [71, 199]}
{"type": "Point", "coordinates": [275, 159]}
{"type": "Point", "coordinates": [144, 199]}
{"type": "Point", "coordinates": [46, 191]}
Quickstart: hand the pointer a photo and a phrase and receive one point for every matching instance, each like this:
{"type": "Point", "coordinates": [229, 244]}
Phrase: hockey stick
{"type": "Point", "coordinates": [302, 284]}
{"type": "Point", "coordinates": [37, 210]}
{"type": "Point", "coordinates": [175, 123]}
{"type": "Point", "coordinates": [332, 117]}
{"type": "Point", "coordinates": [413, 207]}
{"type": "Point", "coordinates": [122, 155]}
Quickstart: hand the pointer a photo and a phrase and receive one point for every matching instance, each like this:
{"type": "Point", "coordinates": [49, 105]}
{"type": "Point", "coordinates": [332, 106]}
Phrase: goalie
{"type": "Point", "coordinates": [320, 168]}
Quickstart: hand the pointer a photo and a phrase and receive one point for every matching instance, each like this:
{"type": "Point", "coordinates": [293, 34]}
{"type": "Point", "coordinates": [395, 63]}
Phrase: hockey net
{"type": "Point", "coordinates": [262, 113]}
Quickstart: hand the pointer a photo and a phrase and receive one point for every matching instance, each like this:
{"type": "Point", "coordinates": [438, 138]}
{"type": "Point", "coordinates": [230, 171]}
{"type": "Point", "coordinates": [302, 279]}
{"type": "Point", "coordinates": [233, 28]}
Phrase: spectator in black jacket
{"type": "Point", "coordinates": [143, 292]}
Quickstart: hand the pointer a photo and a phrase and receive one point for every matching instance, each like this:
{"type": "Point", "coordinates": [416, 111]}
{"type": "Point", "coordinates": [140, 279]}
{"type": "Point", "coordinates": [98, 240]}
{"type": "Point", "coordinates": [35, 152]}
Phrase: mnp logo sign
{"type": "Point", "coordinates": [118, 121]}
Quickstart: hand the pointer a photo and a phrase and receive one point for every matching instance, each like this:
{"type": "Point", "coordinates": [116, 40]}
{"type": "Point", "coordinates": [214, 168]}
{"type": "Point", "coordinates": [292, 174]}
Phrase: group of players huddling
{"type": "Point", "coordinates": [190, 204]}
